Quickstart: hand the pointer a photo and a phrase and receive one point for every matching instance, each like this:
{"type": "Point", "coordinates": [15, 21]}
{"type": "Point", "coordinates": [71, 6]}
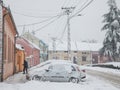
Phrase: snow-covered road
{"type": "Point", "coordinates": [108, 77]}
{"type": "Point", "coordinates": [91, 83]}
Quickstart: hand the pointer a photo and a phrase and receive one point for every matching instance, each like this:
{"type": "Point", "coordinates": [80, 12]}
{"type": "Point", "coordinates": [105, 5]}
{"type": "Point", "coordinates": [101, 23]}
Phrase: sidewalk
{"type": "Point", "coordinates": [16, 78]}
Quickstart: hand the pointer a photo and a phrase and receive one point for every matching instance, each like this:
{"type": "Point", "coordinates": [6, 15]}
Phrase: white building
{"type": "Point", "coordinates": [84, 52]}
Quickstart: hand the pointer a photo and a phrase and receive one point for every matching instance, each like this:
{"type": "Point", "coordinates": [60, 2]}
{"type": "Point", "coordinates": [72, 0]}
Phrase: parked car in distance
{"type": "Point", "coordinates": [58, 71]}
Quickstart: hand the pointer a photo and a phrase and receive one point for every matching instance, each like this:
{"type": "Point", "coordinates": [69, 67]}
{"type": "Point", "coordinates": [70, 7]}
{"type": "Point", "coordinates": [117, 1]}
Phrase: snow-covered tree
{"type": "Point", "coordinates": [111, 46]}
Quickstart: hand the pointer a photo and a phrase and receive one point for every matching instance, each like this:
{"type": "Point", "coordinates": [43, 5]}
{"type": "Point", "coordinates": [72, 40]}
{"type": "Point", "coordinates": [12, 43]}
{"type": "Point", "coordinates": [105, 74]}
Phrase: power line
{"type": "Point", "coordinates": [31, 15]}
{"type": "Point", "coordinates": [79, 3]}
{"type": "Point", "coordinates": [63, 31]}
{"type": "Point", "coordinates": [82, 8]}
{"type": "Point", "coordinates": [46, 24]}
{"type": "Point", "coordinates": [38, 22]}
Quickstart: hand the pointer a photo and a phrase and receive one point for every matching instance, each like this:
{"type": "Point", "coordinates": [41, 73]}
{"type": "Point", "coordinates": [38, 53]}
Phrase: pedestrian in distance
{"type": "Point", "coordinates": [25, 69]}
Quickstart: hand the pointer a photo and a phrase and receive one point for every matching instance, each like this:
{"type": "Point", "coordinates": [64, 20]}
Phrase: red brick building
{"type": "Point", "coordinates": [32, 52]}
{"type": "Point", "coordinates": [8, 33]}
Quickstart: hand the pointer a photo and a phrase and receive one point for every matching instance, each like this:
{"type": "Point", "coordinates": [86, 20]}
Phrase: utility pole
{"type": "Point", "coordinates": [68, 11]}
{"type": "Point", "coordinates": [54, 47]}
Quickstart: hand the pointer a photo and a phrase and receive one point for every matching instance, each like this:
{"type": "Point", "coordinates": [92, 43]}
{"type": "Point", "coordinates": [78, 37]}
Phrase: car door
{"type": "Point", "coordinates": [50, 74]}
{"type": "Point", "coordinates": [58, 73]}
{"type": "Point", "coordinates": [61, 73]}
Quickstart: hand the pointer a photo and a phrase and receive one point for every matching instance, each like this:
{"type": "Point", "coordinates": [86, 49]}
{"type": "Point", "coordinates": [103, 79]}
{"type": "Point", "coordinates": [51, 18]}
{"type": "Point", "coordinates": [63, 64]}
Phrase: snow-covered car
{"type": "Point", "coordinates": [58, 71]}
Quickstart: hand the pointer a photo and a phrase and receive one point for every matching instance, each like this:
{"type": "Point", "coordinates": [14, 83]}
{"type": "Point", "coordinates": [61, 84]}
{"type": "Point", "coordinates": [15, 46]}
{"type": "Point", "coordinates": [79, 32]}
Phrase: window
{"type": "Point", "coordinates": [83, 58]}
{"type": "Point", "coordinates": [65, 51]}
{"type": "Point", "coordinates": [84, 53]}
{"type": "Point", "coordinates": [75, 51]}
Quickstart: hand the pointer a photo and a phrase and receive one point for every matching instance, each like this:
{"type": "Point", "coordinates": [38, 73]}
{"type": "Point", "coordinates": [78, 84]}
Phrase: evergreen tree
{"type": "Point", "coordinates": [111, 43]}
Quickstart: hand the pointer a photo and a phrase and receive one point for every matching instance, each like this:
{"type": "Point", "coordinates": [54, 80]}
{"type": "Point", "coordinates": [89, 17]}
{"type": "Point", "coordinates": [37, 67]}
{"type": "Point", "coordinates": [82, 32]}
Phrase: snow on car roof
{"type": "Point", "coordinates": [46, 64]}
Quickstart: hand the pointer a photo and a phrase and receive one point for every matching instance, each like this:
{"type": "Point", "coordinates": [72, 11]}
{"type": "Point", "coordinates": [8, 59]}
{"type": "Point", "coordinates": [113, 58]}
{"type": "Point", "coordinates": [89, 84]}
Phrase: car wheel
{"type": "Point", "coordinates": [35, 77]}
{"type": "Point", "coordinates": [43, 78]}
{"type": "Point", "coordinates": [74, 80]}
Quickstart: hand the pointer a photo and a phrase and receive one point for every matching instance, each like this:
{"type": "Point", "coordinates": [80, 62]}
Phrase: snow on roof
{"type": "Point", "coordinates": [20, 47]}
{"type": "Point", "coordinates": [33, 45]}
{"type": "Point", "coordinates": [77, 46]}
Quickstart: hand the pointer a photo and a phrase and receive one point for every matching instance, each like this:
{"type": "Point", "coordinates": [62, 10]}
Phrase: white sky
{"type": "Point", "coordinates": [85, 27]}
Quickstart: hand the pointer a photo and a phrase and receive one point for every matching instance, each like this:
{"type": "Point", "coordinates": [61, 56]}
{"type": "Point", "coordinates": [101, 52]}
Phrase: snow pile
{"type": "Point", "coordinates": [90, 84]}
{"type": "Point", "coordinates": [18, 46]}
{"type": "Point", "coordinates": [106, 70]}
{"type": "Point", "coordinates": [115, 64]}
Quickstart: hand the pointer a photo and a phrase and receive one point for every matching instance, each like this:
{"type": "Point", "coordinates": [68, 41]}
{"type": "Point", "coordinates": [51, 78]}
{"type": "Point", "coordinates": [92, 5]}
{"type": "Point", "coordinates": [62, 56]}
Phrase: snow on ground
{"type": "Point", "coordinates": [116, 64]}
{"type": "Point", "coordinates": [91, 83]}
{"type": "Point", "coordinates": [107, 70]}
{"type": "Point", "coordinates": [18, 82]}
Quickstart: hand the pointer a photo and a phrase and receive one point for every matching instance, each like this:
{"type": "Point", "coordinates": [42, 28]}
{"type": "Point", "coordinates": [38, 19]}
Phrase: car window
{"type": "Point", "coordinates": [57, 68]}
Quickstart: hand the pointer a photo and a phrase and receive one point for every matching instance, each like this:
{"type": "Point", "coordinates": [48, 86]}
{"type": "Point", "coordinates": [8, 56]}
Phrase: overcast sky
{"type": "Point", "coordinates": [85, 27]}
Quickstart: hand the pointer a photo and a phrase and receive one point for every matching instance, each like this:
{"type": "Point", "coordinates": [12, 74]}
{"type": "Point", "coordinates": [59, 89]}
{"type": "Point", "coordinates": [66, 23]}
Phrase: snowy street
{"type": "Point", "coordinates": [96, 79]}
{"type": "Point", "coordinates": [108, 77]}
{"type": "Point", "coordinates": [18, 82]}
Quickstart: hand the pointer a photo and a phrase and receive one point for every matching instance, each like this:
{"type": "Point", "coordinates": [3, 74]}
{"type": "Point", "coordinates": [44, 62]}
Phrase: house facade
{"type": "Point", "coordinates": [32, 52]}
{"type": "Point", "coordinates": [83, 52]}
{"type": "Point", "coordinates": [8, 33]}
{"type": "Point", "coordinates": [42, 45]}
{"type": "Point", "coordinates": [44, 51]}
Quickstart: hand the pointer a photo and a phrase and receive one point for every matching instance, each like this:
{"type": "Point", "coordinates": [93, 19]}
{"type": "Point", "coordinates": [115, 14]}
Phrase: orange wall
{"type": "Point", "coordinates": [19, 60]}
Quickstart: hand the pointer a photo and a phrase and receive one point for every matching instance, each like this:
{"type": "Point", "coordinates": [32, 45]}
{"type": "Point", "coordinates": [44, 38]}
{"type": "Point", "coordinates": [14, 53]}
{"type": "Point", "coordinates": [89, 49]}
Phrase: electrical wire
{"type": "Point", "coordinates": [82, 8]}
{"type": "Point", "coordinates": [38, 22]}
{"type": "Point", "coordinates": [46, 25]}
{"type": "Point", "coordinates": [63, 31]}
{"type": "Point", "coordinates": [79, 3]}
{"type": "Point", "coordinates": [31, 15]}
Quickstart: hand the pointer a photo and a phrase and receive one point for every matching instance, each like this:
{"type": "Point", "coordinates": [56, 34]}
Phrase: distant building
{"type": "Point", "coordinates": [84, 52]}
{"type": "Point", "coordinates": [41, 44]}
{"type": "Point", "coordinates": [44, 51]}
{"type": "Point", "coordinates": [32, 51]}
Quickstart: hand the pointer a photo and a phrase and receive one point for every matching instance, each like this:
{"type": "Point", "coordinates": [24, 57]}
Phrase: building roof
{"type": "Point", "coordinates": [77, 46]}
{"type": "Point", "coordinates": [19, 46]}
{"type": "Point", "coordinates": [32, 44]}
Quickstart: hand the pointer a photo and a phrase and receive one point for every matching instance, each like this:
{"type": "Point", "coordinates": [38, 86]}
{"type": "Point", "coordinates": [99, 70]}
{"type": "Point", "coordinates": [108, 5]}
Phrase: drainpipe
{"type": "Point", "coordinates": [3, 31]}
{"type": "Point", "coordinates": [14, 67]}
